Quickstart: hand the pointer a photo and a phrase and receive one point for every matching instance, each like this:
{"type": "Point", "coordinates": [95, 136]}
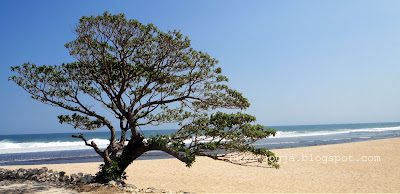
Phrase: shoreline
{"type": "Point", "coordinates": [316, 174]}
{"type": "Point", "coordinates": [88, 155]}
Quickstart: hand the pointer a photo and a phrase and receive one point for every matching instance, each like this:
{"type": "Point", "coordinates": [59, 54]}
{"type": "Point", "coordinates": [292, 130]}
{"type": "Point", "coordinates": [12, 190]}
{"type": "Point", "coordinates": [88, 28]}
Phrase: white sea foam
{"type": "Point", "coordinates": [7, 146]}
{"type": "Point", "coordinates": [274, 143]}
{"type": "Point", "coordinates": [282, 134]}
{"type": "Point", "coordinates": [202, 139]}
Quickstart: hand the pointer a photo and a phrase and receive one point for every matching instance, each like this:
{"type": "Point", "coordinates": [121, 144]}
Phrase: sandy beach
{"type": "Point", "coordinates": [368, 166]}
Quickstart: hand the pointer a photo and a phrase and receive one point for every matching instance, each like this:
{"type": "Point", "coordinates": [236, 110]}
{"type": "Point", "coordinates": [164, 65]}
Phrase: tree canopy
{"type": "Point", "coordinates": [143, 76]}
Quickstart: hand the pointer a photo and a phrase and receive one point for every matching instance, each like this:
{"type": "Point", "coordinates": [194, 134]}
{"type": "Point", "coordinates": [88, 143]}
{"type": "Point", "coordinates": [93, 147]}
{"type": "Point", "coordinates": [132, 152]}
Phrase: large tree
{"type": "Point", "coordinates": [143, 76]}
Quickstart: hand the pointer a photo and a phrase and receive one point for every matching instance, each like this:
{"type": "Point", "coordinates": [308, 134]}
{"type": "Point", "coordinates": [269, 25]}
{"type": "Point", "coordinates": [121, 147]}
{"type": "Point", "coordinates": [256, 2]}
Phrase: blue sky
{"type": "Point", "coordinates": [298, 62]}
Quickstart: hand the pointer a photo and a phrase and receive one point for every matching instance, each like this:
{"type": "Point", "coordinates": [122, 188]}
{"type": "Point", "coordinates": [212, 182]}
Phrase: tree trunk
{"type": "Point", "coordinates": [133, 150]}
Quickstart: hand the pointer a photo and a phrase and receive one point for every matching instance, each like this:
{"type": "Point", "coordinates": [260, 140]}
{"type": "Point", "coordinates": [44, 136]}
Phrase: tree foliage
{"type": "Point", "coordinates": [144, 77]}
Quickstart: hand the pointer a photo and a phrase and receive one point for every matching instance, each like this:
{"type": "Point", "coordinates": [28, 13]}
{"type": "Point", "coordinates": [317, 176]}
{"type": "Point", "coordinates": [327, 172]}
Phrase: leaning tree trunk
{"type": "Point", "coordinates": [133, 150]}
{"type": "Point", "coordinates": [115, 169]}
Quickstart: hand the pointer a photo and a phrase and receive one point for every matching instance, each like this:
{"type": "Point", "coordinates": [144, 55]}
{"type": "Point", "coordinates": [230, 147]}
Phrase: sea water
{"type": "Point", "coordinates": [62, 148]}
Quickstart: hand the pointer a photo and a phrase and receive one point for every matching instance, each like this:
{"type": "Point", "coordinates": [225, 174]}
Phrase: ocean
{"type": "Point", "coordinates": [56, 148]}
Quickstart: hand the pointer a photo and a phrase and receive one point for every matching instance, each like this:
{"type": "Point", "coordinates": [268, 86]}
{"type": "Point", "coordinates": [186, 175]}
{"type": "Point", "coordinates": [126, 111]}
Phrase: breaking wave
{"type": "Point", "coordinates": [282, 134]}
{"type": "Point", "coordinates": [8, 147]}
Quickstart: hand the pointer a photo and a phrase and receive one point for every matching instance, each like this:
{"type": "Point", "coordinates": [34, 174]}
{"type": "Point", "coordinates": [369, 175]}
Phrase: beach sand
{"type": "Point", "coordinates": [295, 174]}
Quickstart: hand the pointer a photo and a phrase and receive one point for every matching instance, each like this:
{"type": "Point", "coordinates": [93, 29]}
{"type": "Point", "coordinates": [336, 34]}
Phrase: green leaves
{"type": "Point", "coordinates": [159, 140]}
{"type": "Point", "coordinates": [82, 122]}
{"type": "Point", "coordinates": [220, 131]}
{"type": "Point", "coordinates": [131, 69]}
{"type": "Point", "coordinates": [224, 120]}
{"type": "Point", "coordinates": [109, 173]}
